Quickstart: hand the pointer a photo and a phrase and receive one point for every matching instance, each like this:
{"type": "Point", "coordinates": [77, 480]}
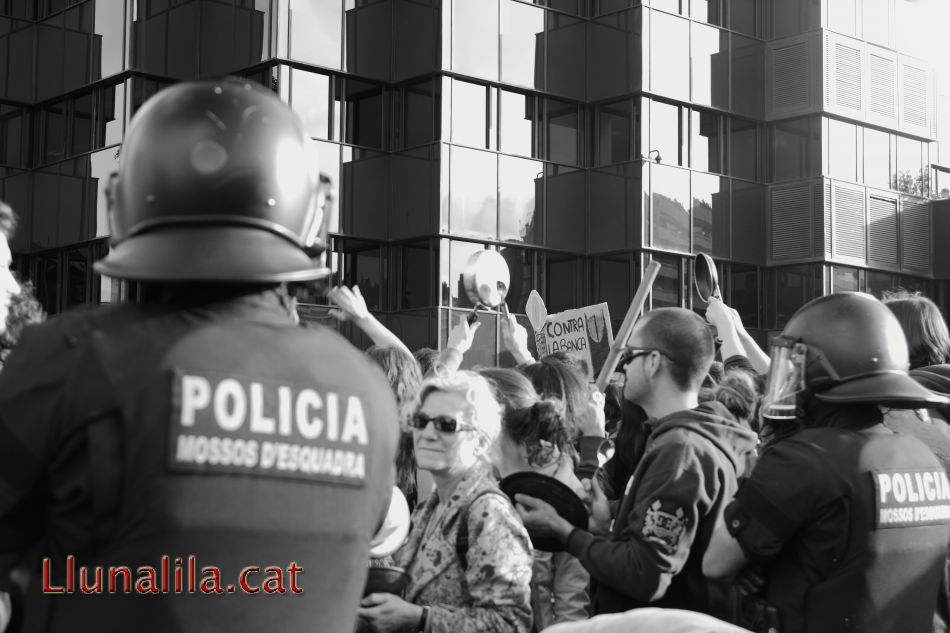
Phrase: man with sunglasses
{"type": "Point", "coordinates": [652, 553]}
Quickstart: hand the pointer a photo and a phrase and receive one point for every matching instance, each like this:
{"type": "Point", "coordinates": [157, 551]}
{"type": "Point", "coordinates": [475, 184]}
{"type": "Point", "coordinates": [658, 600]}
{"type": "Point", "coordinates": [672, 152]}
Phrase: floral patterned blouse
{"type": "Point", "coordinates": [493, 594]}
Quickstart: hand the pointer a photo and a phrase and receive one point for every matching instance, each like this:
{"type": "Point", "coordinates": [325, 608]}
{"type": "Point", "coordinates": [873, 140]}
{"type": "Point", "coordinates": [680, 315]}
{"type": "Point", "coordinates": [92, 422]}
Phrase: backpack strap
{"type": "Point", "coordinates": [461, 541]}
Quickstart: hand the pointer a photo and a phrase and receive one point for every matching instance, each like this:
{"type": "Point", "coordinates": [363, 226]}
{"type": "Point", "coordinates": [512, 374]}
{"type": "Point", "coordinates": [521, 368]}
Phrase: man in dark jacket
{"type": "Point", "coordinates": [653, 552]}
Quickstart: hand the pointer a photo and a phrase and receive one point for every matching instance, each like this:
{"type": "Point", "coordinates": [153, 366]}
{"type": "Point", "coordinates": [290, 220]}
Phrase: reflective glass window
{"type": "Point", "coordinates": [614, 132]}
{"type": "Point", "coordinates": [101, 165]}
{"type": "Point", "coordinates": [328, 157]}
{"type": "Point", "coordinates": [845, 279]}
{"type": "Point", "coordinates": [518, 125]}
{"type": "Point", "coordinates": [842, 149]}
{"type": "Point", "coordinates": [791, 288]}
{"type": "Point", "coordinates": [17, 80]}
{"type": "Point", "coordinates": [566, 51]}
{"type": "Point", "coordinates": [484, 350]}
{"type": "Point", "coordinates": [562, 276]}
{"type": "Point", "coordinates": [417, 275]}
{"type": "Point", "coordinates": [748, 221]}
{"type": "Point", "coordinates": [421, 108]}
{"type": "Point", "coordinates": [111, 116]}
{"type": "Point", "coordinates": [795, 149]}
{"type": "Point", "coordinates": [316, 32]}
{"type": "Point", "coordinates": [706, 141]}
{"type": "Point", "coordinates": [791, 17]}
{"type": "Point", "coordinates": [743, 143]}
{"type": "Point", "coordinates": [664, 132]}
{"type": "Point", "coordinates": [669, 55]}
{"type": "Point", "coordinates": [670, 198]}
{"type": "Point", "coordinates": [744, 16]}
{"type": "Point", "coordinates": [910, 170]}
{"type": "Point", "coordinates": [709, 59]}
{"type": "Point", "coordinates": [53, 132]}
{"type": "Point", "coordinates": [14, 136]}
{"type": "Point", "coordinates": [469, 114]}
{"type": "Point", "coordinates": [522, 44]}
{"type": "Point", "coordinates": [81, 129]}
{"type": "Point", "coordinates": [109, 43]}
{"type": "Point", "coordinates": [748, 75]}
{"type": "Point", "coordinates": [475, 38]}
{"type": "Point", "coordinates": [879, 283]}
{"type": "Point", "coordinates": [706, 11]}
{"type": "Point", "coordinates": [562, 132]}
{"type": "Point", "coordinates": [614, 209]}
{"type": "Point", "coordinates": [49, 58]}
{"type": "Point", "coordinates": [473, 193]}
{"type": "Point", "coordinates": [565, 202]}
{"type": "Point", "coordinates": [744, 293]}
{"type": "Point", "coordinates": [78, 275]}
{"type": "Point", "coordinates": [668, 288]}
{"type": "Point", "coordinates": [710, 211]}
{"type": "Point", "coordinates": [310, 99]}
{"type": "Point", "coordinates": [672, 6]}
{"type": "Point", "coordinates": [877, 159]}
{"type": "Point", "coordinates": [521, 192]}
{"type": "Point", "coordinates": [364, 114]}
{"type": "Point", "coordinates": [522, 264]}
{"type": "Point", "coordinates": [876, 29]}
{"type": "Point", "coordinates": [613, 284]}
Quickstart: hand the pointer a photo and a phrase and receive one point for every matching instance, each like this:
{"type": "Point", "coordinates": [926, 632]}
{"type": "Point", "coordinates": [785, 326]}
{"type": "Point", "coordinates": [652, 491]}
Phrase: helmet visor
{"type": "Point", "coordinates": [785, 381]}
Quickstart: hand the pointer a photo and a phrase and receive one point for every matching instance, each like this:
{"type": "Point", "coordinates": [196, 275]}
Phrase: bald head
{"type": "Point", "coordinates": [684, 338]}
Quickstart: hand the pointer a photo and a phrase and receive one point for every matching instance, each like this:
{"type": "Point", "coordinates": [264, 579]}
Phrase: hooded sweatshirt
{"type": "Point", "coordinates": [672, 502]}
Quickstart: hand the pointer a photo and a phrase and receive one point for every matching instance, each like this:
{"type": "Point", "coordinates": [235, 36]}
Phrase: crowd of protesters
{"type": "Point", "coordinates": [726, 489]}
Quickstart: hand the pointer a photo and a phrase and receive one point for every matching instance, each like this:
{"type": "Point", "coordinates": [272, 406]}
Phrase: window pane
{"type": "Point", "coordinates": [842, 15]}
{"type": "Point", "coordinates": [109, 44]}
{"type": "Point", "coordinates": [364, 114]}
{"type": "Point", "coordinates": [101, 166]}
{"type": "Point", "coordinates": [111, 115]}
{"type": "Point", "coordinates": [909, 167]}
{"type": "Point", "coordinates": [562, 132]}
{"type": "Point", "coordinates": [710, 66]}
{"type": "Point", "coordinates": [845, 279]}
{"type": "Point", "coordinates": [743, 16]}
{"type": "Point", "coordinates": [879, 283]}
{"type": "Point", "coordinates": [670, 196]}
{"type": "Point", "coordinates": [316, 32]}
{"type": "Point", "coordinates": [842, 150]}
{"type": "Point", "coordinates": [742, 149]}
{"type": "Point", "coordinates": [522, 44]}
{"type": "Point", "coordinates": [469, 113]}
{"type": "Point", "coordinates": [669, 56]}
{"type": "Point", "coordinates": [417, 276]}
{"type": "Point", "coordinates": [748, 76]}
{"type": "Point", "coordinates": [706, 141]}
{"type": "Point", "coordinates": [520, 187]}
{"type": "Point", "coordinates": [795, 149]}
{"type": "Point", "coordinates": [475, 38]}
{"type": "Point", "coordinates": [877, 155]}
{"type": "Point", "coordinates": [706, 11]}
{"type": "Point", "coordinates": [744, 296]}
{"type": "Point", "coordinates": [421, 107]}
{"type": "Point", "coordinates": [566, 55]}
{"type": "Point", "coordinates": [565, 220]}
{"type": "Point", "coordinates": [473, 188]}
{"type": "Point", "coordinates": [310, 99]}
{"type": "Point", "coordinates": [710, 195]}
{"type": "Point", "coordinates": [518, 127]}
{"type": "Point", "coordinates": [562, 283]}
{"type": "Point", "coordinates": [614, 129]}
{"type": "Point", "coordinates": [875, 29]}
{"type": "Point", "coordinates": [458, 252]}
{"type": "Point", "coordinates": [81, 132]}
{"type": "Point", "coordinates": [77, 277]}
{"type": "Point", "coordinates": [665, 131]}
{"type": "Point", "coordinates": [668, 288]}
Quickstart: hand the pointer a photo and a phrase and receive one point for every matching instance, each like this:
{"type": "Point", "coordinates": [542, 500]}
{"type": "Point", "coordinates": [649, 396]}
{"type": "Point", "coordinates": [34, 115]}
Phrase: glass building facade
{"type": "Point", "coordinates": [795, 141]}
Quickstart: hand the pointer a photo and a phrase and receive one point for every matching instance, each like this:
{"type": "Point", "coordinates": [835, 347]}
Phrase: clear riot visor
{"type": "Point", "coordinates": [785, 381]}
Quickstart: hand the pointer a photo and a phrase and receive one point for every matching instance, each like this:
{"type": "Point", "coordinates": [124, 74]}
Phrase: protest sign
{"type": "Point", "coordinates": [584, 331]}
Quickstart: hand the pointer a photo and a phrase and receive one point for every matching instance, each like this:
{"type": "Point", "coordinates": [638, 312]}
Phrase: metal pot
{"type": "Point", "coordinates": [705, 277]}
{"type": "Point", "coordinates": [486, 280]}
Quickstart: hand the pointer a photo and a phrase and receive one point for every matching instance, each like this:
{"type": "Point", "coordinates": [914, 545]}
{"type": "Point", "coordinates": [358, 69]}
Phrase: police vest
{"type": "Point", "coordinates": [230, 468]}
{"type": "Point", "coordinates": [882, 575]}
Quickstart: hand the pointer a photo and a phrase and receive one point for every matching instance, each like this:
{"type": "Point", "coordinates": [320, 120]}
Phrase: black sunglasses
{"type": "Point", "coordinates": [632, 353]}
{"type": "Point", "coordinates": [443, 423]}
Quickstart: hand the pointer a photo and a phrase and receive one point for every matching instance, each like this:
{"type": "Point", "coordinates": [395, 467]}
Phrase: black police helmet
{"type": "Point", "coordinates": [215, 184]}
{"type": "Point", "coordinates": [856, 353]}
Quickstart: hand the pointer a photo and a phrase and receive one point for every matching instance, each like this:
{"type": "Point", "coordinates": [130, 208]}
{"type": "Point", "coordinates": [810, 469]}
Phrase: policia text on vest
{"type": "Point", "coordinates": [226, 424]}
{"type": "Point", "coordinates": [907, 498]}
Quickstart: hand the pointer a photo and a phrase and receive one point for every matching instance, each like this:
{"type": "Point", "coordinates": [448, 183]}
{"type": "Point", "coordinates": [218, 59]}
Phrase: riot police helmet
{"type": "Point", "coordinates": [217, 183]}
{"type": "Point", "coordinates": [842, 348]}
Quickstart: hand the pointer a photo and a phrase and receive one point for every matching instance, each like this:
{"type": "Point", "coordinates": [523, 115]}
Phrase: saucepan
{"type": "Point", "coordinates": [705, 277]}
{"type": "Point", "coordinates": [486, 280]}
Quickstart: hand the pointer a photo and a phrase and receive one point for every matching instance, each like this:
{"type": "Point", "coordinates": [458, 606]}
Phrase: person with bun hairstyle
{"type": "Point", "coordinates": [536, 437]}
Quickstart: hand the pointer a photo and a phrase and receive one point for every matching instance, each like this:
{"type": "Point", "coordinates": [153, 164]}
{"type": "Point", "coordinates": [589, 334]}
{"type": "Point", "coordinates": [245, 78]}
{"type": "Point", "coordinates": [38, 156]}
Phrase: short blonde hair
{"type": "Point", "coordinates": [482, 409]}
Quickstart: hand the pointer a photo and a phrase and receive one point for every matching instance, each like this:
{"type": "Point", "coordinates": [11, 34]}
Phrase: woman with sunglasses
{"type": "Point", "coordinates": [456, 423]}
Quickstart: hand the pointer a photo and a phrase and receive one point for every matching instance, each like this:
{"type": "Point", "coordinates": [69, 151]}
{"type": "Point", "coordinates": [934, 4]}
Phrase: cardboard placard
{"type": "Point", "coordinates": [584, 331]}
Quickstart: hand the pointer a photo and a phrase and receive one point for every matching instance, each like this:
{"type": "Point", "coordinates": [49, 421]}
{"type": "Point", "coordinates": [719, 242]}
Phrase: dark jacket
{"type": "Point", "coordinates": [654, 556]}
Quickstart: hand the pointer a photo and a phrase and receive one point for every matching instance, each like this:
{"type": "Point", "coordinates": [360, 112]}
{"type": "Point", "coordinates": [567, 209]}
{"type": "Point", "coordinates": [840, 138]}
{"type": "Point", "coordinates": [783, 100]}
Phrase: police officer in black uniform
{"type": "Point", "coordinates": [849, 519]}
{"type": "Point", "coordinates": [196, 462]}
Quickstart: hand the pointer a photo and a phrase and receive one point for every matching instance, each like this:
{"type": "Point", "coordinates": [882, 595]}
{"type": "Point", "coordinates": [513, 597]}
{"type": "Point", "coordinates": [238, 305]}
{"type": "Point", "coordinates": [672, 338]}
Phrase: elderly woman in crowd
{"type": "Point", "coordinates": [483, 585]}
{"type": "Point", "coordinates": [536, 437]}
